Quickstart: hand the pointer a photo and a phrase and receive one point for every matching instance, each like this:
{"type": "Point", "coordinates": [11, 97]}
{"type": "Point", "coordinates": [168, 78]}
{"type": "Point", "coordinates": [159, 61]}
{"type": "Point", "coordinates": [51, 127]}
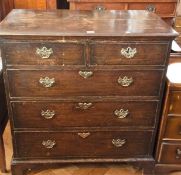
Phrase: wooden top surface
{"type": "Point", "coordinates": [84, 23]}
{"type": "Point", "coordinates": [122, 1]}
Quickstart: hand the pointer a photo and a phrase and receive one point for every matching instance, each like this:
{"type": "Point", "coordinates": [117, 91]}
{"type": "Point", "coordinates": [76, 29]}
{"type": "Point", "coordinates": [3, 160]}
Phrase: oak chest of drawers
{"type": "Point", "coordinates": [169, 143]}
{"type": "Point", "coordinates": [164, 8]}
{"type": "Point", "coordinates": [89, 91]}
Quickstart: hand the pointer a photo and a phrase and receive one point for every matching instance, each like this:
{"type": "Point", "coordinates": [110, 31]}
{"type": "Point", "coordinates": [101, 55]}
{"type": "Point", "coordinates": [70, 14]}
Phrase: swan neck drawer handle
{"type": "Point", "coordinates": [118, 142]}
{"type": "Point", "coordinates": [44, 52]}
{"type": "Point", "coordinates": [151, 8]}
{"type": "Point", "coordinates": [84, 106]}
{"type": "Point", "coordinates": [47, 82]}
{"type": "Point", "coordinates": [121, 113]}
{"type": "Point", "coordinates": [100, 8]}
{"type": "Point", "coordinates": [47, 114]}
{"type": "Point", "coordinates": [128, 52]}
{"type": "Point", "coordinates": [125, 81]}
{"type": "Point", "coordinates": [49, 144]}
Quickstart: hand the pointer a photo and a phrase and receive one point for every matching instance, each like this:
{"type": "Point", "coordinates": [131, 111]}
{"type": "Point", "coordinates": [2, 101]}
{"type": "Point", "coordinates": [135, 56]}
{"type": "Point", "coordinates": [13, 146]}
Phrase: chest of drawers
{"type": "Point", "coordinates": [164, 8]}
{"type": "Point", "coordinates": [89, 91]}
{"type": "Point", "coordinates": [169, 145]}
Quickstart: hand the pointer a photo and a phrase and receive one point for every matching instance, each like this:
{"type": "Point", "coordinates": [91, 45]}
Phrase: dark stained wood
{"type": "Point", "coordinates": [175, 103]}
{"type": "Point", "coordinates": [173, 128]}
{"type": "Point", "coordinates": [169, 153]}
{"type": "Point", "coordinates": [68, 114]}
{"type": "Point", "coordinates": [168, 147]}
{"type": "Point", "coordinates": [85, 24]}
{"type": "Point", "coordinates": [26, 95]}
{"type": "Point", "coordinates": [63, 53]}
{"type": "Point", "coordinates": [110, 53]}
{"type": "Point", "coordinates": [5, 7]}
{"type": "Point", "coordinates": [166, 9]}
{"type": "Point", "coordinates": [70, 83]}
{"type": "Point", "coordinates": [70, 144]}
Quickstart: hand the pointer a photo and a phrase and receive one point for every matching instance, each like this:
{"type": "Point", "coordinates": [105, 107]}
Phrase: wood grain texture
{"type": "Point", "coordinates": [71, 145]}
{"type": "Point", "coordinates": [66, 83]}
{"type": "Point", "coordinates": [108, 24]}
{"type": "Point", "coordinates": [69, 114]}
{"type": "Point", "coordinates": [35, 4]}
{"type": "Point", "coordinates": [165, 9]}
{"type": "Point", "coordinates": [74, 169]}
{"type": "Point", "coordinates": [104, 82]}
{"type": "Point", "coordinates": [69, 53]}
{"type": "Point", "coordinates": [169, 145]}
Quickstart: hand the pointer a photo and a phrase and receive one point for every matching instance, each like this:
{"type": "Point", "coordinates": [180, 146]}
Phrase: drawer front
{"type": "Point", "coordinates": [84, 83]}
{"type": "Point", "coordinates": [128, 53]}
{"type": "Point", "coordinates": [173, 128]}
{"type": "Point", "coordinates": [170, 153]}
{"type": "Point", "coordinates": [162, 9]}
{"type": "Point", "coordinates": [99, 6]}
{"type": "Point", "coordinates": [175, 103]}
{"type": "Point", "coordinates": [83, 144]}
{"type": "Point", "coordinates": [29, 53]}
{"type": "Point", "coordinates": [84, 114]}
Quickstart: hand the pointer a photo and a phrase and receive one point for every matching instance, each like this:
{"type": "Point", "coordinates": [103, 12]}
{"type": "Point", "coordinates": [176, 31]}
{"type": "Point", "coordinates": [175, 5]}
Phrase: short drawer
{"type": "Point", "coordinates": [173, 128]}
{"type": "Point", "coordinates": [170, 153]}
{"type": "Point", "coordinates": [24, 83]}
{"type": "Point", "coordinates": [133, 53]}
{"type": "Point", "coordinates": [121, 144]}
{"type": "Point", "coordinates": [98, 6]}
{"type": "Point", "coordinates": [45, 53]}
{"type": "Point", "coordinates": [161, 8]}
{"type": "Point", "coordinates": [175, 103]}
{"type": "Point", "coordinates": [84, 114]}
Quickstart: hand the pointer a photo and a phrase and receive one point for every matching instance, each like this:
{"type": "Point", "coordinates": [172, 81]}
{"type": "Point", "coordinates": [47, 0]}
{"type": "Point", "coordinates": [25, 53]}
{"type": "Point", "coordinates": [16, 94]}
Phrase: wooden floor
{"type": "Point", "coordinates": [102, 169]}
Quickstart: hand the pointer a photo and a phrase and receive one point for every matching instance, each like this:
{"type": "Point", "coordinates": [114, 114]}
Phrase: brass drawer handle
{"type": "Point", "coordinates": [125, 81]}
{"type": "Point", "coordinates": [85, 74]}
{"type": "Point", "coordinates": [151, 8]}
{"type": "Point", "coordinates": [49, 144]}
{"type": "Point", "coordinates": [48, 114]}
{"type": "Point", "coordinates": [84, 106]}
{"type": "Point", "coordinates": [100, 8]}
{"type": "Point", "coordinates": [44, 52]}
{"type": "Point", "coordinates": [128, 52]}
{"type": "Point", "coordinates": [118, 142]}
{"type": "Point", "coordinates": [178, 153]}
{"type": "Point", "coordinates": [47, 82]}
{"type": "Point", "coordinates": [121, 113]}
{"type": "Point", "coordinates": [84, 134]}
